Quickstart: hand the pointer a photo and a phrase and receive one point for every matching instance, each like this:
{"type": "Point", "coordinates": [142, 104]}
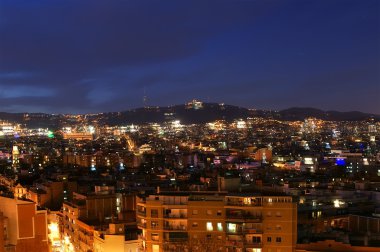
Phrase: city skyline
{"type": "Point", "coordinates": [71, 57]}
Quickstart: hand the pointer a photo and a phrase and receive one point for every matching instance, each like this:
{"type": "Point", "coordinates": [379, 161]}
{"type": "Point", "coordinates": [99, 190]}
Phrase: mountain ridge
{"type": "Point", "coordinates": [186, 114]}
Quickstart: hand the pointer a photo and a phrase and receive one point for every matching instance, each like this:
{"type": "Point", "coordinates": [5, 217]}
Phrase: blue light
{"type": "Point", "coordinates": [340, 162]}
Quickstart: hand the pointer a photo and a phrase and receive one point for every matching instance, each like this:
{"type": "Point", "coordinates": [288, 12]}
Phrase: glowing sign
{"type": "Point", "coordinates": [340, 162]}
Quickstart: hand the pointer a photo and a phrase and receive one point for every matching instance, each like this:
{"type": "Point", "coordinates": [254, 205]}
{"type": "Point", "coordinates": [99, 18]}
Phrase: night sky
{"type": "Point", "coordinates": [84, 56]}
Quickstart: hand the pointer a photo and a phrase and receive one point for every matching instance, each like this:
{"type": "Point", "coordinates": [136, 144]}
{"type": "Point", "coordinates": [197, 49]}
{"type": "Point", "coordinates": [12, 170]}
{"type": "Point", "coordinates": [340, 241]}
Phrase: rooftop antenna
{"type": "Point", "coordinates": [145, 98]}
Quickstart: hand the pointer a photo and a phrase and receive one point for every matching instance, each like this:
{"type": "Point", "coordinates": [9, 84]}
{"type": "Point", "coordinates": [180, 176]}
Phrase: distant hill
{"type": "Point", "coordinates": [293, 114]}
{"type": "Point", "coordinates": [209, 112]}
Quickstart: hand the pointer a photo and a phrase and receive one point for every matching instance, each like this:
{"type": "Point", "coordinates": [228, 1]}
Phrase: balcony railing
{"type": "Point", "coordinates": [250, 244]}
{"type": "Point", "coordinates": [239, 244]}
{"type": "Point", "coordinates": [250, 230]}
{"type": "Point", "coordinates": [246, 217]}
{"type": "Point", "coordinates": [142, 213]}
{"type": "Point", "coordinates": [178, 228]}
{"type": "Point", "coordinates": [242, 204]}
{"type": "Point", "coordinates": [175, 216]}
{"type": "Point", "coordinates": [142, 225]}
{"type": "Point", "coordinates": [176, 239]}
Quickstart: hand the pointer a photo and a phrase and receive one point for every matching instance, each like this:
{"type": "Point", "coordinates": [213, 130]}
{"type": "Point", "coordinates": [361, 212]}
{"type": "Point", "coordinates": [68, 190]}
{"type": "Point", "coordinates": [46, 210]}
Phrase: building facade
{"type": "Point", "coordinates": [217, 222]}
{"type": "Point", "coordinates": [24, 226]}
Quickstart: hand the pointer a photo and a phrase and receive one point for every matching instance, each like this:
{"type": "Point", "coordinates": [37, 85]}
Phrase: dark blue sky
{"type": "Point", "coordinates": [96, 55]}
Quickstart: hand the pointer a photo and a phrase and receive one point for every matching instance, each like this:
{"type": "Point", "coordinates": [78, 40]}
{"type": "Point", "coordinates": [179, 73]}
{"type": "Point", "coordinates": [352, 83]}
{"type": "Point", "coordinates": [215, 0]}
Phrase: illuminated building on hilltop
{"type": "Point", "coordinates": [194, 104]}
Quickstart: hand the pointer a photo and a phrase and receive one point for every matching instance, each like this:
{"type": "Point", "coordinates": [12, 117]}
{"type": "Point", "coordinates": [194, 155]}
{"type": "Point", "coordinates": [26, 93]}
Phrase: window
{"type": "Point", "coordinates": [278, 239]}
{"type": "Point", "coordinates": [220, 226]}
{"type": "Point", "coordinates": [269, 239]}
{"type": "Point", "coordinates": [154, 224]}
{"type": "Point", "coordinates": [155, 248]}
{"type": "Point", "coordinates": [269, 214]}
{"type": "Point", "coordinates": [195, 224]}
{"type": "Point", "coordinates": [231, 227]}
{"type": "Point", "coordinates": [278, 214]}
{"type": "Point", "coordinates": [195, 212]}
{"type": "Point", "coordinates": [219, 237]}
{"type": "Point", "coordinates": [278, 227]}
{"type": "Point", "coordinates": [154, 213]}
{"type": "Point", "coordinates": [155, 237]}
{"type": "Point", "coordinates": [208, 236]}
{"type": "Point", "coordinates": [256, 239]}
{"type": "Point", "coordinates": [219, 213]}
{"type": "Point", "coordinates": [209, 226]}
{"type": "Point", "coordinates": [209, 212]}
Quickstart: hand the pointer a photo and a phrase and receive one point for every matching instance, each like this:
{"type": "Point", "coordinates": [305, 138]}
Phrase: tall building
{"type": "Point", "coordinates": [24, 226]}
{"type": "Point", "coordinates": [15, 158]}
{"type": "Point", "coordinates": [88, 213]}
{"type": "Point", "coordinates": [214, 221]}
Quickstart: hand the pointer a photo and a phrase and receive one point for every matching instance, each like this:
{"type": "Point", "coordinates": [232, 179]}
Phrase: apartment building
{"type": "Point", "coordinates": [24, 227]}
{"type": "Point", "coordinates": [87, 213]}
{"type": "Point", "coordinates": [215, 221]}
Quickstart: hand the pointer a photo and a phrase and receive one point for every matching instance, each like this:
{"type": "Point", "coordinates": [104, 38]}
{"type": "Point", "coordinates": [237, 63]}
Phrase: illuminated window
{"type": "Point", "coordinates": [231, 227]}
{"type": "Point", "coordinates": [270, 200]}
{"type": "Point", "coordinates": [154, 224]}
{"type": "Point", "coordinates": [155, 237]}
{"type": "Point", "coordinates": [247, 201]}
{"type": "Point", "coordinates": [155, 248]}
{"type": "Point", "coordinates": [219, 213]}
{"type": "Point", "coordinates": [209, 226]}
{"type": "Point", "coordinates": [220, 226]}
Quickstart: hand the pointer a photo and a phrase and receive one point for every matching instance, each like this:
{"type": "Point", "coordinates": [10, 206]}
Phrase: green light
{"type": "Point", "coordinates": [50, 134]}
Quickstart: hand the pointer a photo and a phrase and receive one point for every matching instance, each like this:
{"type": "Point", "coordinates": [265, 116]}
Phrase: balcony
{"type": "Point", "coordinates": [252, 231]}
{"type": "Point", "coordinates": [157, 227]}
{"type": "Point", "coordinates": [239, 244]}
{"type": "Point", "coordinates": [175, 228]}
{"type": "Point", "coordinates": [242, 204]}
{"type": "Point", "coordinates": [141, 225]}
{"type": "Point", "coordinates": [141, 213]}
{"type": "Point", "coordinates": [184, 239]}
{"type": "Point", "coordinates": [242, 217]}
{"type": "Point", "coordinates": [175, 216]}
{"type": "Point", "coordinates": [250, 244]}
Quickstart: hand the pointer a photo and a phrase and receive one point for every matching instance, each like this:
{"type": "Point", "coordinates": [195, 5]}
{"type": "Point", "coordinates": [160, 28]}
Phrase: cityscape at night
{"type": "Point", "coordinates": [190, 126]}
